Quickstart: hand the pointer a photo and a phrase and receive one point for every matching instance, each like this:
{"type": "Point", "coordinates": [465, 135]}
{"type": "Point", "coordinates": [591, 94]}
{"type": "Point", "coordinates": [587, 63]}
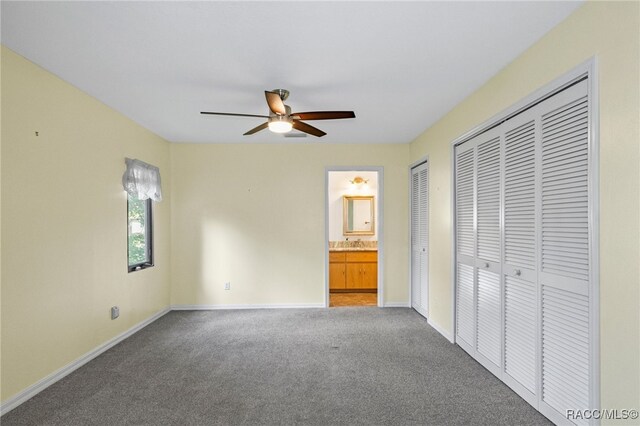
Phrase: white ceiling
{"type": "Point", "coordinates": [399, 65]}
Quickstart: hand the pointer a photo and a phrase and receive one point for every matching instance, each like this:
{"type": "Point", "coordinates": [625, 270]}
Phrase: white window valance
{"type": "Point", "coordinates": [142, 180]}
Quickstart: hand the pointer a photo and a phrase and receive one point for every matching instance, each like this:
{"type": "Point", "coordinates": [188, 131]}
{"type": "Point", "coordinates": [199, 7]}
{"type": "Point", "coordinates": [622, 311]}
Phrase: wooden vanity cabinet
{"type": "Point", "coordinates": [362, 276]}
{"type": "Point", "coordinates": [353, 270]}
{"type": "Point", "coordinates": [337, 271]}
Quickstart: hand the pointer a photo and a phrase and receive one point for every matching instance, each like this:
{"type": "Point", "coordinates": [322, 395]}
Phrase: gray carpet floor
{"type": "Point", "coordinates": [339, 366]}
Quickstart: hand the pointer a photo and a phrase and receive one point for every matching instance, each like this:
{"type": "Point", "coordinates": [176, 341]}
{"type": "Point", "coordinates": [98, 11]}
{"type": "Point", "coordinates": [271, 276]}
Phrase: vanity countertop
{"type": "Point", "coordinates": [358, 245]}
{"type": "Point", "coordinates": [353, 249]}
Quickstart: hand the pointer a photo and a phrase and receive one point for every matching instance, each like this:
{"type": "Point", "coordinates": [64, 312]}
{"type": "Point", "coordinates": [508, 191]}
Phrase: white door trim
{"type": "Point", "coordinates": [379, 220]}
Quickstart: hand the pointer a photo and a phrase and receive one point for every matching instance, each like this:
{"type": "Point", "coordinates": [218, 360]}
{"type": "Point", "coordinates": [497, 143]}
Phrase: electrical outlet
{"type": "Point", "coordinates": [115, 312]}
{"type": "Point", "coordinates": [227, 286]}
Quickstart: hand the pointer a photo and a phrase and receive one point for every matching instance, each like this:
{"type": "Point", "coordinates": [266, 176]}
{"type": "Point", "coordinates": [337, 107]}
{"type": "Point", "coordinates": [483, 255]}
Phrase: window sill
{"type": "Point", "coordinates": [140, 267]}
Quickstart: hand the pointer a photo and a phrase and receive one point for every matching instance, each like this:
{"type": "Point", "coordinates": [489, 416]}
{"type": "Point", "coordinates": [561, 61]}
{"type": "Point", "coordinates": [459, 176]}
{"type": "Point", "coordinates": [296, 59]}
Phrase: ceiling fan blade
{"type": "Point", "coordinates": [324, 115]}
{"type": "Point", "coordinates": [257, 129]}
{"type": "Point", "coordinates": [275, 103]}
{"type": "Point", "coordinates": [304, 127]}
{"type": "Point", "coordinates": [234, 114]}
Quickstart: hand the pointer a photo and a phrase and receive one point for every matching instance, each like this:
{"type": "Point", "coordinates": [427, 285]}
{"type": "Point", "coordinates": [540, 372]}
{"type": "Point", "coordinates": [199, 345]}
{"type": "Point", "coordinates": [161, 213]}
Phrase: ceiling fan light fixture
{"type": "Point", "coordinates": [280, 124]}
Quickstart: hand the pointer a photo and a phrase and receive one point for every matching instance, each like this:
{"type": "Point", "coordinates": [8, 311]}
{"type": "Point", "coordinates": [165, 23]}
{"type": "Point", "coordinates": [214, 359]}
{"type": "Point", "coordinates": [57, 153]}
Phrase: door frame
{"type": "Point", "coordinates": [379, 220]}
{"type": "Point", "coordinates": [420, 161]}
{"type": "Point", "coordinates": [587, 69]}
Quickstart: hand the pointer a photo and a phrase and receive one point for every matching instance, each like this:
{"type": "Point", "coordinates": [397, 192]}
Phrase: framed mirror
{"type": "Point", "coordinates": [358, 215]}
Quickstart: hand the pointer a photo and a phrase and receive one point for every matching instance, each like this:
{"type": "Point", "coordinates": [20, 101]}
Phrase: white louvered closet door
{"type": "Point", "coordinates": [519, 255]}
{"type": "Point", "coordinates": [478, 285]}
{"type": "Point", "coordinates": [420, 238]}
{"type": "Point", "coordinates": [465, 245]}
{"type": "Point", "coordinates": [564, 267]}
{"type": "Point", "coordinates": [524, 301]}
{"type": "Point", "coordinates": [488, 242]}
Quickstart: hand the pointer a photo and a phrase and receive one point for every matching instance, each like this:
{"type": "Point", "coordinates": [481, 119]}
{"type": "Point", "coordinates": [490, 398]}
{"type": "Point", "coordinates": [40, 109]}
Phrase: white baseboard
{"type": "Point", "coordinates": [248, 306]}
{"type": "Point", "coordinates": [441, 330]}
{"type": "Point", "coordinates": [421, 311]}
{"type": "Point", "coordinates": [47, 381]}
{"type": "Point", "coordinates": [396, 305]}
{"type": "Point", "coordinates": [434, 325]}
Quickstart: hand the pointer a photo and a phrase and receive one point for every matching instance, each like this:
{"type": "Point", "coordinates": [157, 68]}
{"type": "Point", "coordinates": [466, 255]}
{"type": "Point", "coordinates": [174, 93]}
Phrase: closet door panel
{"type": "Point", "coordinates": [423, 236]}
{"type": "Point", "coordinates": [415, 280]}
{"type": "Point", "coordinates": [488, 199]}
{"type": "Point", "coordinates": [488, 234]}
{"type": "Point", "coordinates": [489, 321]}
{"type": "Point", "coordinates": [520, 195]}
{"type": "Point", "coordinates": [465, 305]}
{"type": "Point", "coordinates": [465, 200]}
{"type": "Point", "coordinates": [565, 190]}
{"type": "Point", "coordinates": [520, 332]}
{"type": "Point", "coordinates": [415, 244]}
{"type": "Point", "coordinates": [466, 245]}
{"type": "Point", "coordinates": [519, 255]}
{"type": "Point", "coordinates": [420, 238]}
{"type": "Point", "coordinates": [564, 265]}
{"type": "Point", "coordinates": [565, 349]}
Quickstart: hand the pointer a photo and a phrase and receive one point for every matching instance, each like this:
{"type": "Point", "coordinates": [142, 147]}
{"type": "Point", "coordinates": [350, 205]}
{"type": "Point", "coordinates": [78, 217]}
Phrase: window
{"type": "Point", "coordinates": [139, 233]}
{"type": "Point", "coordinates": [141, 181]}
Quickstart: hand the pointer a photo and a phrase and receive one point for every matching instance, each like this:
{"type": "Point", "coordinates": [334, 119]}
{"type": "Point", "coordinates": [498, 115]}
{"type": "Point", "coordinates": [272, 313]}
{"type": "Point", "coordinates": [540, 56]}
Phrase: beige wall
{"type": "Point", "coordinates": [64, 249]}
{"type": "Point", "coordinates": [611, 32]}
{"type": "Point", "coordinates": [253, 215]}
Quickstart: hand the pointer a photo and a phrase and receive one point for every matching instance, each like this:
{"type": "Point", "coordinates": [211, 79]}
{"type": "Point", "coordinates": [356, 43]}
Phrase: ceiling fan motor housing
{"type": "Point", "coordinates": [287, 112]}
{"type": "Point", "coordinates": [283, 93]}
{"type": "Point", "coordinates": [284, 118]}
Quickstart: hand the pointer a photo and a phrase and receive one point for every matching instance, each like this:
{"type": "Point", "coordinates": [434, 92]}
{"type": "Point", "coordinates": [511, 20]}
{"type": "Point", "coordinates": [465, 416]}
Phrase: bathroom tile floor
{"type": "Point", "coordinates": [353, 299]}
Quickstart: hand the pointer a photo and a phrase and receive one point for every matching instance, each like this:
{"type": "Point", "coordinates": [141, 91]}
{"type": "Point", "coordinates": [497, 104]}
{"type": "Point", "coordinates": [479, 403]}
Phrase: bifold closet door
{"type": "Point", "coordinates": [488, 286]}
{"type": "Point", "coordinates": [519, 256]}
{"type": "Point", "coordinates": [420, 238]}
{"type": "Point", "coordinates": [524, 302]}
{"type": "Point", "coordinates": [564, 254]}
{"type": "Point", "coordinates": [465, 181]}
{"type": "Point", "coordinates": [479, 294]}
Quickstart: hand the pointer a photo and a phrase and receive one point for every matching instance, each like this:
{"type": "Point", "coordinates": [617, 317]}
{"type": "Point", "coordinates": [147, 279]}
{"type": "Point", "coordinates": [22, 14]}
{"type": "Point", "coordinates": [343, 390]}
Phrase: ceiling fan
{"type": "Point", "coordinates": [282, 120]}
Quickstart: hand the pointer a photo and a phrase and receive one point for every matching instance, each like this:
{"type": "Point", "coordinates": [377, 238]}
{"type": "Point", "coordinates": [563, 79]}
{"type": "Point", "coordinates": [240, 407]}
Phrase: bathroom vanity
{"type": "Point", "coordinates": [353, 270]}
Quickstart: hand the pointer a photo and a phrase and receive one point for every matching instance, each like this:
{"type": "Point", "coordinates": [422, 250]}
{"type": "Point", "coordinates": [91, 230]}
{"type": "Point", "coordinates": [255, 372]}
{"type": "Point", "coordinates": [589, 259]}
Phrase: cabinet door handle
{"type": "Point", "coordinates": [518, 272]}
{"type": "Point", "coordinates": [486, 264]}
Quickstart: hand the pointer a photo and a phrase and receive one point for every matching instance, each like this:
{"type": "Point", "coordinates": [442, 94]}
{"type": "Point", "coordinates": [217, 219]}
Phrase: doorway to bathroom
{"type": "Point", "coordinates": [353, 236]}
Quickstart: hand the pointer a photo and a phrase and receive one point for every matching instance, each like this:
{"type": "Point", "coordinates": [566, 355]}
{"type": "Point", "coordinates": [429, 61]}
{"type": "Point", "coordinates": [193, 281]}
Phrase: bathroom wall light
{"type": "Point", "coordinates": [280, 124]}
{"type": "Point", "coordinates": [358, 180]}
